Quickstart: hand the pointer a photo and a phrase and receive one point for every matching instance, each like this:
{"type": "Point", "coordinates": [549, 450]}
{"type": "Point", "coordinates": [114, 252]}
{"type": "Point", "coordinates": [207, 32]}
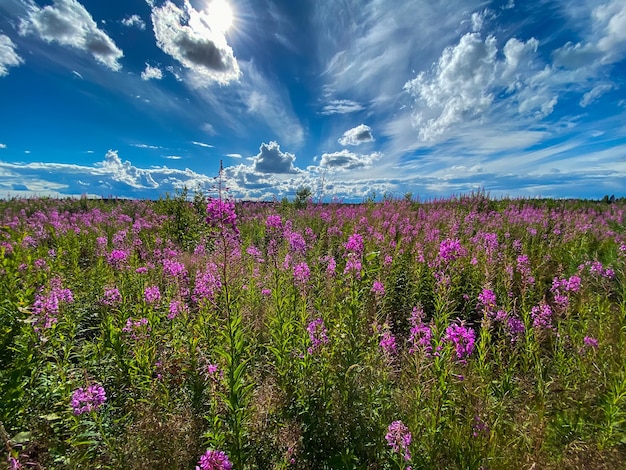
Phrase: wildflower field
{"type": "Point", "coordinates": [463, 333]}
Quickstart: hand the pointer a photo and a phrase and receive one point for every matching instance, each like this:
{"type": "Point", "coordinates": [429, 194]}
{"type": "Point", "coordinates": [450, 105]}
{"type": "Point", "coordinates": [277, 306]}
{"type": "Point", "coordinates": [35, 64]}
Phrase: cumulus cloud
{"type": "Point", "coordinates": [8, 56]}
{"type": "Point", "coordinates": [357, 135]}
{"type": "Point", "coordinates": [68, 23]}
{"type": "Point", "coordinates": [184, 33]}
{"type": "Point", "coordinates": [271, 159]}
{"type": "Point", "coordinates": [110, 176]}
{"type": "Point", "coordinates": [464, 81]}
{"type": "Point", "coordinates": [346, 160]}
{"type": "Point", "coordinates": [3, 146]}
{"type": "Point", "coordinates": [341, 107]}
{"type": "Point", "coordinates": [134, 20]}
{"type": "Point", "coordinates": [595, 93]}
{"type": "Point", "coordinates": [151, 73]}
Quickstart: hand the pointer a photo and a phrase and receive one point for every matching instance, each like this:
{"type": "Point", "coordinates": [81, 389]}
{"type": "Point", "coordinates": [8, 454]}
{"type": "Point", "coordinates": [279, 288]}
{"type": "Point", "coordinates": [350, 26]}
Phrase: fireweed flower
{"type": "Point", "coordinates": [399, 439]}
{"type": "Point", "coordinates": [301, 273]}
{"type": "Point", "coordinates": [112, 297]}
{"type": "Point", "coordinates": [118, 258]}
{"type": "Point", "coordinates": [462, 338]}
{"type": "Point", "coordinates": [355, 244]}
{"type": "Point", "coordinates": [378, 288]}
{"type": "Point", "coordinates": [297, 243]}
{"type": "Point", "coordinates": [273, 222]}
{"type": "Point", "coordinates": [515, 328]}
{"type": "Point", "coordinates": [388, 343]}
{"type": "Point", "coordinates": [152, 294]}
{"type": "Point", "coordinates": [488, 301]}
{"type": "Point", "coordinates": [138, 329]}
{"type": "Point", "coordinates": [451, 249]}
{"type": "Point", "coordinates": [207, 284]}
{"type": "Point", "coordinates": [46, 305]}
{"type": "Point", "coordinates": [221, 214]}
{"type": "Point", "coordinates": [420, 334]}
{"type": "Point", "coordinates": [541, 316]}
{"type": "Point", "coordinates": [214, 460]}
{"type": "Point", "coordinates": [353, 265]}
{"type": "Point", "coordinates": [176, 308]}
{"type": "Point", "coordinates": [590, 342]}
{"type": "Point", "coordinates": [84, 401]}
{"type": "Point", "coordinates": [317, 334]}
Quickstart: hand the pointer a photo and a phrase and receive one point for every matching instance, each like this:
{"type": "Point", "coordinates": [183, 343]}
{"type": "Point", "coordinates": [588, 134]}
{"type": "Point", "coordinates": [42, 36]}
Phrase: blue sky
{"type": "Point", "coordinates": [136, 98]}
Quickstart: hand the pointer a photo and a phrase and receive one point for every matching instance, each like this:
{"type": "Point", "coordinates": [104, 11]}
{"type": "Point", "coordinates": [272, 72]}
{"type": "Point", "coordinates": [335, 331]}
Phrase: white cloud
{"type": "Point", "coordinates": [341, 107]}
{"type": "Point", "coordinates": [146, 146]}
{"type": "Point", "coordinates": [151, 73]}
{"type": "Point", "coordinates": [8, 56]}
{"type": "Point", "coordinates": [605, 44]}
{"type": "Point", "coordinates": [110, 176]}
{"type": "Point", "coordinates": [134, 20]}
{"type": "Point", "coordinates": [269, 102]}
{"type": "Point", "coordinates": [3, 146]}
{"type": "Point", "coordinates": [271, 159]}
{"type": "Point", "coordinates": [202, 144]}
{"type": "Point", "coordinates": [173, 157]}
{"type": "Point", "coordinates": [233, 155]}
{"type": "Point", "coordinates": [68, 23]}
{"type": "Point", "coordinates": [346, 160]}
{"type": "Point", "coordinates": [185, 34]}
{"type": "Point", "coordinates": [595, 93]}
{"type": "Point", "coordinates": [357, 135]}
{"type": "Point", "coordinates": [459, 86]}
{"type": "Point", "coordinates": [477, 21]}
{"type": "Point", "coordinates": [462, 86]}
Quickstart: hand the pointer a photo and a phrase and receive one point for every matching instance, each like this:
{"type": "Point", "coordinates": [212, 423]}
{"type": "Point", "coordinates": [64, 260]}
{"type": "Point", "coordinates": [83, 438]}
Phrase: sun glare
{"type": "Point", "coordinates": [220, 15]}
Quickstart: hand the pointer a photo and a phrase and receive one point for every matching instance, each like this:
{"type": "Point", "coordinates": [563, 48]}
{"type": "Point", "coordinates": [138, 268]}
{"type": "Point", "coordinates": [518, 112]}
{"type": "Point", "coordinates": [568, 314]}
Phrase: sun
{"type": "Point", "coordinates": [220, 15]}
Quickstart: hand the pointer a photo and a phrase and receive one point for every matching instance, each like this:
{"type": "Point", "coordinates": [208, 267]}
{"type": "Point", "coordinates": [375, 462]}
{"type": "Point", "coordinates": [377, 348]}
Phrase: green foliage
{"type": "Point", "coordinates": [270, 342]}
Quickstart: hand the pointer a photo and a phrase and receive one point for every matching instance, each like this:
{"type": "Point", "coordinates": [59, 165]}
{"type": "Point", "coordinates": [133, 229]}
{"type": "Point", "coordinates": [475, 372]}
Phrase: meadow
{"type": "Point", "coordinates": [461, 333]}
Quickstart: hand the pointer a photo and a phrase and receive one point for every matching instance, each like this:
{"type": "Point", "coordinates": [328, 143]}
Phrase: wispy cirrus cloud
{"type": "Point", "coordinates": [341, 107]}
{"type": "Point", "coordinates": [68, 23]}
{"type": "Point", "coordinates": [8, 55]}
{"type": "Point", "coordinates": [202, 144]}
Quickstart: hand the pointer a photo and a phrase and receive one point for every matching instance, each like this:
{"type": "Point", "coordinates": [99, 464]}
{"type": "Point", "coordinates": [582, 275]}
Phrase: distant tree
{"type": "Point", "coordinates": [303, 195]}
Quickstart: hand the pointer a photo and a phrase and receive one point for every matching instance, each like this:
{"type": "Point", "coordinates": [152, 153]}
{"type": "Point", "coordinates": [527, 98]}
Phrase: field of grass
{"type": "Point", "coordinates": [464, 333]}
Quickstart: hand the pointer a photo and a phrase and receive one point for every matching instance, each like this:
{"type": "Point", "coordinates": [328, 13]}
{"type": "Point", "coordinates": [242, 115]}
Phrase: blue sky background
{"type": "Point", "coordinates": [135, 98]}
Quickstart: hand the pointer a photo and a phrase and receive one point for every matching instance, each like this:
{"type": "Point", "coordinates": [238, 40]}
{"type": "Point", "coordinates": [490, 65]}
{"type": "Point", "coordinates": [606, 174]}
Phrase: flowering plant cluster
{"type": "Point", "coordinates": [89, 399]}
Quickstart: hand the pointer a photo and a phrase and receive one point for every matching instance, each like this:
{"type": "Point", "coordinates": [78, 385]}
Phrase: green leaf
{"type": "Point", "coordinates": [22, 437]}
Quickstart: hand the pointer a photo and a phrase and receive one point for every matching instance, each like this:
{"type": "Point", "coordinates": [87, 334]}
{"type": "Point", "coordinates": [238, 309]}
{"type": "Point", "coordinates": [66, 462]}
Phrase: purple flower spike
{"type": "Point", "coordinates": [214, 460]}
{"type": "Point", "coordinates": [84, 401]}
{"type": "Point", "coordinates": [399, 439]}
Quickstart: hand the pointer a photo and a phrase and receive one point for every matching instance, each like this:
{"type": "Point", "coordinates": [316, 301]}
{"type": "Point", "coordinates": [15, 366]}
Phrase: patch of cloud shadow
{"type": "Point", "coordinates": [8, 56]}
{"type": "Point", "coordinates": [68, 23]}
{"type": "Point", "coordinates": [271, 159]}
{"type": "Point", "coordinates": [357, 135]}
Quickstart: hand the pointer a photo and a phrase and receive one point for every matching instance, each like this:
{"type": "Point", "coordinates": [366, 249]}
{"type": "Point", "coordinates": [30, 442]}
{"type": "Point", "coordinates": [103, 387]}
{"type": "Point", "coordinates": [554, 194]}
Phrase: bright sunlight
{"type": "Point", "coordinates": [220, 15]}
